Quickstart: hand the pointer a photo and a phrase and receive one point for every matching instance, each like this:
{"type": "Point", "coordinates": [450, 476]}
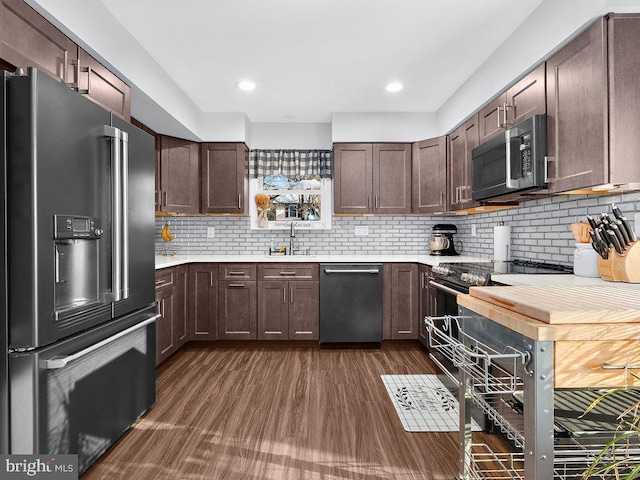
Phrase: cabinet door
{"type": "Point", "coordinates": [102, 86]}
{"type": "Point", "coordinates": [423, 279]}
{"type": "Point", "coordinates": [164, 325]}
{"type": "Point", "coordinates": [157, 148]}
{"type": "Point", "coordinates": [28, 40]}
{"type": "Point", "coordinates": [237, 312]}
{"type": "Point", "coordinates": [404, 301]}
{"type": "Point", "coordinates": [273, 310]}
{"type": "Point", "coordinates": [179, 176]}
{"type": "Point", "coordinates": [526, 98]}
{"type": "Point", "coordinates": [225, 178]}
{"type": "Point", "coordinates": [491, 119]}
{"type": "Point", "coordinates": [304, 310]}
{"type": "Point", "coordinates": [203, 302]}
{"type": "Point", "coordinates": [180, 321]}
{"type": "Point", "coordinates": [429, 175]}
{"type": "Point", "coordinates": [352, 178]}
{"type": "Point", "coordinates": [391, 178]}
{"type": "Point", "coordinates": [461, 142]}
{"type": "Point", "coordinates": [577, 113]}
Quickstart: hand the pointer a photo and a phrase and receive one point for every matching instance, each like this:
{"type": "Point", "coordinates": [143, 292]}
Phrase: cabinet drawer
{"type": "Point", "coordinates": [304, 271]}
{"type": "Point", "coordinates": [237, 271]}
{"type": "Point", "coordinates": [579, 364]}
{"type": "Point", "coordinates": [165, 278]}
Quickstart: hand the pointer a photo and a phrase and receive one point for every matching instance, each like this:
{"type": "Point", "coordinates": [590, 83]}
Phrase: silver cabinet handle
{"type": "Point", "coordinates": [291, 295]}
{"type": "Point", "coordinates": [375, 201]}
{"type": "Point", "coordinates": [239, 200]}
{"type": "Point", "coordinates": [211, 279]}
{"type": "Point", "coordinates": [236, 285]}
{"type": "Point", "coordinates": [287, 273]}
{"type": "Point", "coordinates": [160, 282]}
{"type": "Point", "coordinates": [165, 198]}
{"type": "Point", "coordinates": [546, 169]}
{"type": "Point", "coordinates": [368, 201]}
{"type": "Point", "coordinates": [506, 114]}
{"type": "Point", "coordinates": [608, 366]}
{"type": "Point", "coordinates": [441, 198]}
{"type": "Point", "coordinates": [235, 273]}
{"type": "Point", "coordinates": [372, 271]}
{"type": "Point", "coordinates": [499, 122]}
{"type": "Point", "coordinates": [61, 362]}
{"type": "Point", "coordinates": [284, 295]}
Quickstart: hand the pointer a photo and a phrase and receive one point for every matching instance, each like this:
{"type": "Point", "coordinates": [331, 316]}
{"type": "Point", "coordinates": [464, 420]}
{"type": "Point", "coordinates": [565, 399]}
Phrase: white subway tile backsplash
{"type": "Point", "coordinates": [540, 231]}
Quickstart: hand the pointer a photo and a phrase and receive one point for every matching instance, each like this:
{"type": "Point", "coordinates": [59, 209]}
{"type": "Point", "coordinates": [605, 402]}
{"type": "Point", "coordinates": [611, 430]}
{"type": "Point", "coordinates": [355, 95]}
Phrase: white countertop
{"type": "Point", "coordinates": [172, 261]}
{"type": "Point", "coordinates": [556, 279]}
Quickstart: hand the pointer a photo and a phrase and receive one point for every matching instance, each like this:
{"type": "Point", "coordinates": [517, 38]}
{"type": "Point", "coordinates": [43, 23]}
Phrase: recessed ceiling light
{"type": "Point", "coordinates": [246, 85]}
{"type": "Point", "coordinates": [394, 87]}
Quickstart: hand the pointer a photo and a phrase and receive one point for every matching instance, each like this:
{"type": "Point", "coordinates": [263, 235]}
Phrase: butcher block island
{"type": "Point", "coordinates": [534, 359]}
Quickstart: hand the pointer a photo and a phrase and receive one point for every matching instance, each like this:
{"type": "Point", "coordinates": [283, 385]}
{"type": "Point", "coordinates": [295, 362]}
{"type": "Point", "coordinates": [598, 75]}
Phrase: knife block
{"type": "Point", "coordinates": [618, 268]}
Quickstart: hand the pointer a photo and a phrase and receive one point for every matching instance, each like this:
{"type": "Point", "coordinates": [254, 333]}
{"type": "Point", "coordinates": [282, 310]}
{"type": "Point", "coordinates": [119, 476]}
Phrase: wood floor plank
{"type": "Point", "coordinates": [256, 413]}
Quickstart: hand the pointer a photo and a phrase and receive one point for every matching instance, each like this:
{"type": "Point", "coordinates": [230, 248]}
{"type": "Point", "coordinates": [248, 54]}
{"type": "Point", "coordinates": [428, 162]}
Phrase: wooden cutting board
{"type": "Point", "coordinates": [566, 304]}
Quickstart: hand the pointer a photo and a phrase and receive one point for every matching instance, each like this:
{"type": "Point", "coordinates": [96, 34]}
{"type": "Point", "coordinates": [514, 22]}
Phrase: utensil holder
{"type": "Point", "coordinates": [619, 268]}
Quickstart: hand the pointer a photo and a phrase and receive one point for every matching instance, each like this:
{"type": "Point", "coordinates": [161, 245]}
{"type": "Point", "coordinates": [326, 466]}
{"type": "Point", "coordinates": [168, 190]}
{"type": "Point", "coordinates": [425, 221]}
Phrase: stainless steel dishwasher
{"type": "Point", "coordinates": [350, 303]}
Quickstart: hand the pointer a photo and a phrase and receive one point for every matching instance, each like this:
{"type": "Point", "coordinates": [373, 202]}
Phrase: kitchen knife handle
{"type": "Point", "coordinates": [619, 236]}
{"type": "Point", "coordinates": [592, 221]}
{"type": "Point", "coordinates": [616, 211]}
{"type": "Point", "coordinates": [622, 229]}
{"type": "Point", "coordinates": [615, 242]}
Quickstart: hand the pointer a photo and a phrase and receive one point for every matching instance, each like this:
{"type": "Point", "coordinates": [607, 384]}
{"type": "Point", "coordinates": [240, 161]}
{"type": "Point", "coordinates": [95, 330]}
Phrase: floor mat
{"type": "Point", "coordinates": [423, 403]}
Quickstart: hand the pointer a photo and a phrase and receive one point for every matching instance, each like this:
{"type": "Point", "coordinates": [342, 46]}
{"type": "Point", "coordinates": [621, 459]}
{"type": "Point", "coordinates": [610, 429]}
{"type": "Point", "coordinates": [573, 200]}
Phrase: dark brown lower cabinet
{"type": "Point", "coordinates": [203, 302]}
{"type": "Point", "coordinates": [405, 301]}
{"type": "Point", "coordinates": [423, 279]}
{"type": "Point", "coordinates": [237, 313]}
{"type": "Point", "coordinates": [171, 325]}
{"type": "Point", "coordinates": [288, 310]}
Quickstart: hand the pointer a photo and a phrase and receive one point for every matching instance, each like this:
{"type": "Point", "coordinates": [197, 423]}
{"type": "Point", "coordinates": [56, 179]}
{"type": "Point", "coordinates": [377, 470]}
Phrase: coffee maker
{"type": "Point", "coordinates": [441, 240]}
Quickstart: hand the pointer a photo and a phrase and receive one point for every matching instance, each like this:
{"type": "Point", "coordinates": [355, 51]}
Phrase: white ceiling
{"type": "Point", "coordinates": [310, 58]}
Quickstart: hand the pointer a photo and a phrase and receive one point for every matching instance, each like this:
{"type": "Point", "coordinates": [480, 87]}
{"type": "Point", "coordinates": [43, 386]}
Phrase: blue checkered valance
{"type": "Point", "coordinates": [291, 163]}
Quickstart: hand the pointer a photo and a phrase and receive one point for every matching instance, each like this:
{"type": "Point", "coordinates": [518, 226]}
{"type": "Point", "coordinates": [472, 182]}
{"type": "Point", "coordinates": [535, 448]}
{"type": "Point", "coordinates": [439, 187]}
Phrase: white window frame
{"type": "Point", "coordinates": [326, 208]}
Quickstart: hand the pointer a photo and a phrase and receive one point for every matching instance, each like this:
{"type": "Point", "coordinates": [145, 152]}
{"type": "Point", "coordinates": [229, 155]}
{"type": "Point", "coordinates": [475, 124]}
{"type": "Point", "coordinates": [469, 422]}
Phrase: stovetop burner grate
{"type": "Point", "coordinates": [542, 265]}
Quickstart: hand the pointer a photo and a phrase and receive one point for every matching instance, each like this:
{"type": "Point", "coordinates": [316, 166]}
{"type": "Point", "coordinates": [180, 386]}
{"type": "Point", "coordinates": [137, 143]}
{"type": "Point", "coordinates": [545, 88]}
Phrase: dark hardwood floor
{"type": "Point", "coordinates": [273, 412]}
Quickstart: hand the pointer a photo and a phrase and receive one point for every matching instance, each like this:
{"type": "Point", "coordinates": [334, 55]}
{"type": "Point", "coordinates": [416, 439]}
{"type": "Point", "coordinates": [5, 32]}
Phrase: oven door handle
{"type": "Point", "coordinates": [61, 362]}
{"type": "Point", "coordinates": [444, 288]}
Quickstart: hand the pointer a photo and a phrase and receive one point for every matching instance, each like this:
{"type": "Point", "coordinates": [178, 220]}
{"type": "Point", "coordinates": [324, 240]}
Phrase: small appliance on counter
{"type": "Point", "coordinates": [441, 241]}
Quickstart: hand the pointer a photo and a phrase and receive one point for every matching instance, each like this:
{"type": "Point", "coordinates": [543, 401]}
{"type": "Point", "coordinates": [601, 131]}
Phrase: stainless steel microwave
{"type": "Point", "coordinates": [512, 162]}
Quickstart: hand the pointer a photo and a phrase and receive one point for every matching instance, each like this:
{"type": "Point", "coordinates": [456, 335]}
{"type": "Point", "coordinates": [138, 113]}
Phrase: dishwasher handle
{"type": "Point", "coordinates": [372, 271]}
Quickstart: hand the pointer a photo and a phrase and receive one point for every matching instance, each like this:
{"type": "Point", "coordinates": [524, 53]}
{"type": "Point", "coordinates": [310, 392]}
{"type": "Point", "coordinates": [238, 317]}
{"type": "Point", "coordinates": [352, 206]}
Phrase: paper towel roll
{"type": "Point", "coordinates": [501, 243]}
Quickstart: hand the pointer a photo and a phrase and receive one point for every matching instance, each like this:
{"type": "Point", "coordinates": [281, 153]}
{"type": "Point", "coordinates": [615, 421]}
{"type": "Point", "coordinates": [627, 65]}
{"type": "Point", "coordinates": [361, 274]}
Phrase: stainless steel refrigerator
{"type": "Point", "coordinates": [77, 301]}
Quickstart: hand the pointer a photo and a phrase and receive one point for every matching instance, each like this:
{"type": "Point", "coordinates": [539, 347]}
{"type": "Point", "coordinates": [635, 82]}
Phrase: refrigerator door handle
{"type": "Point", "coordinates": [124, 139]}
{"type": "Point", "coordinates": [61, 362]}
{"type": "Point", "coordinates": [116, 212]}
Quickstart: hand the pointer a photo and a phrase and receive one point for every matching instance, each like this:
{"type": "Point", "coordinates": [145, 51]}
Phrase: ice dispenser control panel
{"type": "Point", "coordinates": [71, 226]}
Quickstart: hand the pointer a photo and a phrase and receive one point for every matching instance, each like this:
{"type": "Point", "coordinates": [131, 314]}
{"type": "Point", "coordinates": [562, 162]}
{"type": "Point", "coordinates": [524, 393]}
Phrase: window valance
{"type": "Point", "coordinates": [291, 163]}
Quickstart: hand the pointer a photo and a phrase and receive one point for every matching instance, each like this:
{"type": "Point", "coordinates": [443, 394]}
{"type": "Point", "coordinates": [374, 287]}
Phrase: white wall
{"type": "Point", "coordinates": [549, 26]}
{"type": "Point", "coordinates": [382, 127]}
{"type": "Point", "coordinates": [224, 127]}
{"type": "Point", "coordinates": [291, 135]}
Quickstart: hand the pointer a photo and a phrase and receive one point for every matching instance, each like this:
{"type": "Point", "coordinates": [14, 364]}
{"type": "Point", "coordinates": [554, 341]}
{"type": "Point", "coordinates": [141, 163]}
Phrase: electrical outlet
{"type": "Point", "coordinates": [361, 231]}
{"type": "Point", "coordinates": [474, 230]}
{"type": "Point", "coordinates": [211, 232]}
{"type": "Point", "coordinates": [636, 222]}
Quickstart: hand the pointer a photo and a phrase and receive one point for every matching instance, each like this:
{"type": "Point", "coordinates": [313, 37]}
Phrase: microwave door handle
{"type": "Point", "coordinates": [510, 183]}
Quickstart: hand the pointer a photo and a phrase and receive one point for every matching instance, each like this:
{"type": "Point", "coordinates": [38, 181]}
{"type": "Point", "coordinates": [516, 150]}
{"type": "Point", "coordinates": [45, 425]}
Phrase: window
{"type": "Point", "coordinates": [304, 200]}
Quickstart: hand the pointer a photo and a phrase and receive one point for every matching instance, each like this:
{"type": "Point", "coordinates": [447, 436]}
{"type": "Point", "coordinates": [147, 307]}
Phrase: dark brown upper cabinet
{"type": "Point", "coordinates": [372, 178]}
{"type": "Point", "coordinates": [429, 176]}
{"type": "Point", "coordinates": [179, 190]}
{"type": "Point", "coordinates": [592, 107]}
{"type": "Point", "coordinates": [461, 141]}
{"type": "Point", "coordinates": [28, 40]}
{"type": "Point", "coordinates": [101, 86]}
{"type": "Point", "coordinates": [225, 178]}
{"type": "Point", "coordinates": [157, 149]}
{"type": "Point", "coordinates": [523, 100]}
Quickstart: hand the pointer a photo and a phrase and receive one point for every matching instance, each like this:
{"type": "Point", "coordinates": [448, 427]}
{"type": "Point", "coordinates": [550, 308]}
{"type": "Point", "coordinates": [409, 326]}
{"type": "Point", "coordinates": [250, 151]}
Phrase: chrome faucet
{"type": "Point", "coordinates": [292, 235]}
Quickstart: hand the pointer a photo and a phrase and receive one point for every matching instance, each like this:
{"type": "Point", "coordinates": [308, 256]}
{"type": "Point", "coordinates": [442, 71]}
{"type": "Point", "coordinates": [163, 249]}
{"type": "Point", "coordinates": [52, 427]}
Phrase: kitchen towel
{"type": "Point", "coordinates": [423, 403]}
{"type": "Point", "coordinates": [501, 243]}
